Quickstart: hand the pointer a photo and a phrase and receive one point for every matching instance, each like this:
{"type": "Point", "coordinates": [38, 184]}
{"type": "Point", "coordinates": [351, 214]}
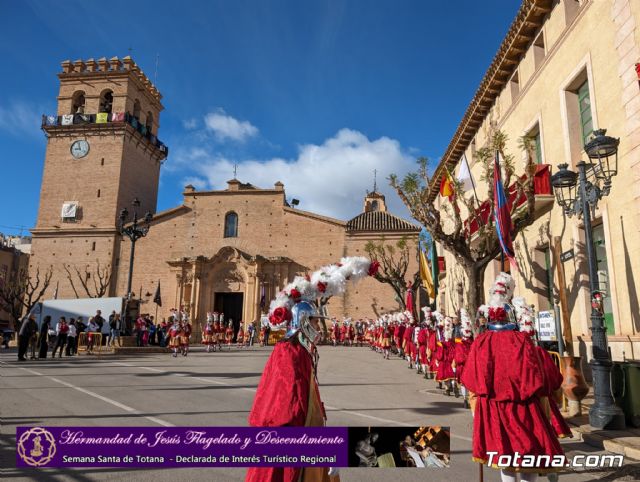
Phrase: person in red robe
{"type": "Point", "coordinates": [351, 333]}
{"type": "Point", "coordinates": [445, 373]}
{"type": "Point", "coordinates": [386, 340]}
{"type": "Point", "coordinates": [343, 332]}
{"type": "Point", "coordinates": [505, 378]}
{"type": "Point", "coordinates": [423, 338]}
{"type": "Point", "coordinates": [288, 393]}
{"type": "Point", "coordinates": [335, 333]}
{"type": "Point", "coordinates": [398, 331]}
{"type": "Point", "coordinates": [552, 374]}
{"type": "Point", "coordinates": [409, 347]}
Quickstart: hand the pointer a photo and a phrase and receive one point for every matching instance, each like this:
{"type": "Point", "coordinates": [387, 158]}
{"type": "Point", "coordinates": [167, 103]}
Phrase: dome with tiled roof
{"type": "Point", "coordinates": [379, 221]}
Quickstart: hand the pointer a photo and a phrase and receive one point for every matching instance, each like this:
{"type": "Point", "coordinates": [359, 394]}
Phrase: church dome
{"type": "Point", "coordinates": [379, 221]}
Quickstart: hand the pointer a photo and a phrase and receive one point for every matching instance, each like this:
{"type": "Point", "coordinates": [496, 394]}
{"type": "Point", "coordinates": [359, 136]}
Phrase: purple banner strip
{"type": "Point", "coordinates": [181, 447]}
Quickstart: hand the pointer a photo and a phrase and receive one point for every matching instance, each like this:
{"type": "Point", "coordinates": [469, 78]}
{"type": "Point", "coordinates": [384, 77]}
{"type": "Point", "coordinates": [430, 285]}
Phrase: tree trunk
{"type": "Point", "coordinates": [475, 287]}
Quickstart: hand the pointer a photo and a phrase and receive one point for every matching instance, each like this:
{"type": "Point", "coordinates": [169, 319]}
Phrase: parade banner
{"type": "Point", "coordinates": [181, 447]}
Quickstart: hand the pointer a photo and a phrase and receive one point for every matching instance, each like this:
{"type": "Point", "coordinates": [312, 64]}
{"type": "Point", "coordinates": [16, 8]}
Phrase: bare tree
{"type": "Point", "coordinates": [394, 261]}
{"type": "Point", "coordinates": [21, 293]}
{"type": "Point", "coordinates": [93, 282]}
{"type": "Point", "coordinates": [414, 190]}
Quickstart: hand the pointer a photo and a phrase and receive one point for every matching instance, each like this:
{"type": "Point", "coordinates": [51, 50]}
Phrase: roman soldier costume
{"type": "Point", "coordinates": [229, 333]}
{"type": "Point", "coordinates": [175, 335]}
{"type": "Point", "coordinates": [208, 333]}
{"type": "Point", "coordinates": [444, 355]}
{"type": "Point", "coordinates": [505, 377]}
{"type": "Point", "coordinates": [288, 393]}
{"type": "Point", "coordinates": [186, 335]}
{"type": "Point", "coordinates": [240, 336]}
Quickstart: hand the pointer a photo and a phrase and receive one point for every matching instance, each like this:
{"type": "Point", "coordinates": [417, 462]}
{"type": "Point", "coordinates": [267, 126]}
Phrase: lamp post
{"type": "Point", "coordinates": [134, 231]}
{"type": "Point", "coordinates": [577, 194]}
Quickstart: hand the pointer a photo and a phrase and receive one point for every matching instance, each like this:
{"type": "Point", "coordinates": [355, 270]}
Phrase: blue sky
{"type": "Point", "coordinates": [316, 94]}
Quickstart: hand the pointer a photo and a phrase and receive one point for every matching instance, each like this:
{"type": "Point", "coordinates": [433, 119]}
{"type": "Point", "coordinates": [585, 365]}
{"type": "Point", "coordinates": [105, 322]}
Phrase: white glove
{"type": "Point", "coordinates": [333, 471]}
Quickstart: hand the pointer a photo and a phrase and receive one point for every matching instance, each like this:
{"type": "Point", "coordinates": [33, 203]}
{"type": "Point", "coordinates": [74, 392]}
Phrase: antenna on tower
{"type": "Point", "coordinates": [375, 180]}
{"type": "Point", "coordinates": [235, 170]}
{"type": "Point", "coordinates": [155, 76]}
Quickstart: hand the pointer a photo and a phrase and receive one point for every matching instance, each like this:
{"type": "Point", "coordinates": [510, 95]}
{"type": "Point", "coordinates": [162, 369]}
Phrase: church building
{"type": "Point", "coordinates": [228, 250]}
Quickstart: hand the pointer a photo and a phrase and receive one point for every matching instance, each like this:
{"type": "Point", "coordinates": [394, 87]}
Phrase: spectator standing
{"type": "Point", "coordinates": [72, 338]}
{"type": "Point", "coordinates": [115, 325]}
{"type": "Point", "coordinates": [43, 340]}
{"type": "Point", "coordinates": [141, 326]}
{"type": "Point", "coordinates": [99, 320]}
{"type": "Point", "coordinates": [152, 332]}
{"type": "Point", "coordinates": [27, 330]}
{"type": "Point", "coordinates": [62, 330]}
{"type": "Point", "coordinates": [92, 333]}
{"type": "Point", "coordinates": [251, 329]}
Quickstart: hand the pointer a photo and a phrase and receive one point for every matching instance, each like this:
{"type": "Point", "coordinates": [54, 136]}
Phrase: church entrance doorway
{"type": "Point", "coordinates": [231, 305]}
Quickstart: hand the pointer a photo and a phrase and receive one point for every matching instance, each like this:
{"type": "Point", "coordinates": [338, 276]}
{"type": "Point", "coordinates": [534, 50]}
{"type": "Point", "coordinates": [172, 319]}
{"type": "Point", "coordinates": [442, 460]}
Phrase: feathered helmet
{"type": "Point", "coordinates": [500, 311]}
{"type": "Point", "coordinates": [448, 328]}
{"type": "Point", "coordinates": [524, 315]}
{"type": "Point", "coordinates": [465, 324]}
{"type": "Point", "coordinates": [439, 318]}
{"type": "Point", "coordinates": [284, 312]}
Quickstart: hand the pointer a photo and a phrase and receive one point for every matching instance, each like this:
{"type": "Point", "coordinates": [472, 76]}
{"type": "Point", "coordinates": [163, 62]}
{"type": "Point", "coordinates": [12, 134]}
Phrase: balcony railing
{"type": "Point", "coordinates": [104, 118]}
{"type": "Point", "coordinates": [542, 192]}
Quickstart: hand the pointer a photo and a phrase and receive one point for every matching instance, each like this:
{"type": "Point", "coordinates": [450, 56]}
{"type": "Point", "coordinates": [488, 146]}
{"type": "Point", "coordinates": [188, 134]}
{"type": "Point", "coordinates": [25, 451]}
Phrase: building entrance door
{"type": "Point", "coordinates": [231, 305]}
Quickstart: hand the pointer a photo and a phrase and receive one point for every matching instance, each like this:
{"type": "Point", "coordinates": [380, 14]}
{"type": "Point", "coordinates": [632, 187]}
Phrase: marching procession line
{"type": "Point", "coordinates": [217, 382]}
{"type": "Point", "coordinates": [103, 398]}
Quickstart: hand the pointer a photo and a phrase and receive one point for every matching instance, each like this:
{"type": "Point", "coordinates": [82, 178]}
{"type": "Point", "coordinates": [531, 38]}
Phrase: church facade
{"type": "Point", "coordinates": [228, 250]}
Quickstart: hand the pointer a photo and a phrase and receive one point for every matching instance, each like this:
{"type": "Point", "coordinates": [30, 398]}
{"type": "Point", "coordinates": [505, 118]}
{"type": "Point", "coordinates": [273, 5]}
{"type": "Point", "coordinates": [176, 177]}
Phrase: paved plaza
{"type": "Point", "coordinates": [358, 387]}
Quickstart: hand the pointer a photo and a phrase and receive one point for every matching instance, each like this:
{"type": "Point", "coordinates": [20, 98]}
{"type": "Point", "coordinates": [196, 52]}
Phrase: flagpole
{"type": "Point", "coordinates": [473, 184]}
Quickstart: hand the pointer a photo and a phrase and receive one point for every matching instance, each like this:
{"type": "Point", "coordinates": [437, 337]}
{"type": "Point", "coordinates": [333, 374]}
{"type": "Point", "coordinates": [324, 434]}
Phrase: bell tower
{"type": "Point", "coordinates": [102, 152]}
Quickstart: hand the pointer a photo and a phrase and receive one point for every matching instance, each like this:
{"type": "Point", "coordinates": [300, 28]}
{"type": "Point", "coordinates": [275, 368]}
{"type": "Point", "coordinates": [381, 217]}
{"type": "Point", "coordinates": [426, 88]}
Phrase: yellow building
{"type": "Point", "coordinates": [565, 69]}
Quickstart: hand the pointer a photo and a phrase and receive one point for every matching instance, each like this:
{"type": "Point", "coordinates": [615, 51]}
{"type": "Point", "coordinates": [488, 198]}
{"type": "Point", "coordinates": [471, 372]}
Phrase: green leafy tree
{"type": "Point", "coordinates": [473, 257]}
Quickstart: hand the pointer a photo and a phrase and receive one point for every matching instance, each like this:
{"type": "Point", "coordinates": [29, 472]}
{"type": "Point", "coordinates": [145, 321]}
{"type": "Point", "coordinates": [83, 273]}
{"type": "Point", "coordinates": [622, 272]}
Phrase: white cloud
{"type": "Point", "coordinates": [190, 124]}
{"type": "Point", "coordinates": [21, 119]}
{"type": "Point", "coordinates": [226, 127]}
{"type": "Point", "coordinates": [330, 178]}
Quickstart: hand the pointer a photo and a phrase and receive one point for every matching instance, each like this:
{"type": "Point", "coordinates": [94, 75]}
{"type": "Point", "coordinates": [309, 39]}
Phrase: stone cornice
{"type": "Point", "coordinates": [318, 217]}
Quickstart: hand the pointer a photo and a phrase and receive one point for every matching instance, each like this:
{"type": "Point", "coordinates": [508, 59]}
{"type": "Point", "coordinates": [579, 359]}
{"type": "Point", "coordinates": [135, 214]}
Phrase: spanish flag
{"type": "Point", "coordinates": [446, 185]}
{"type": "Point", "coordinates": [426, 277]}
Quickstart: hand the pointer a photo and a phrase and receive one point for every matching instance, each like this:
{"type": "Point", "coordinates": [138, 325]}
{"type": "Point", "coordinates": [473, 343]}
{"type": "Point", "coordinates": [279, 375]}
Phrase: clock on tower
{"type": "Point", "coordinates": [102, 151]}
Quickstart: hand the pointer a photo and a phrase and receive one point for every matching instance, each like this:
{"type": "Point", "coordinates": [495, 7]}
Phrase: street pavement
{"type": "Point", "coordinates": [358, 387]}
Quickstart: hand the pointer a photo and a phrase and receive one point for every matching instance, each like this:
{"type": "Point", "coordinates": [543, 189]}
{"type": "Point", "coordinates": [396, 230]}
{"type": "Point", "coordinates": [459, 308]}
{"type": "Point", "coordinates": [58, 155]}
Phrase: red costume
{"type": "Point", "coordinates": [208, 335]}
{"type": "Point", "coordinates": [444, 356]}
{"type": "Point", "coordinates": [423, 336]}
{"type": "Point", "coordinates": [288, 396]}
{"type": "Point", "coordinates": [431, 350]}
{"type": "Point", "coordinates": [505, 376]}
{"type": "Point", "coordinates": [460, 354]}
{"type": "Point", "coordinates": [409, 345]}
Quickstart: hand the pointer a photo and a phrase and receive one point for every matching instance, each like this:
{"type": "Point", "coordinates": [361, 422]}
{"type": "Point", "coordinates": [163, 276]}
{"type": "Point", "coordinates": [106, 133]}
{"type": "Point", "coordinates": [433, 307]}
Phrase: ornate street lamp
{"type": "Point", "coordinates": [577, 195]}
{"type": "Point", "coordinates": [134, 231]}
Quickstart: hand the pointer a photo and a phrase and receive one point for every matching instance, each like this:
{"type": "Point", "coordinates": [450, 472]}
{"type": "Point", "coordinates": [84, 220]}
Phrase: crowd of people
{"type": "Point", "coordinates": [61, 338]}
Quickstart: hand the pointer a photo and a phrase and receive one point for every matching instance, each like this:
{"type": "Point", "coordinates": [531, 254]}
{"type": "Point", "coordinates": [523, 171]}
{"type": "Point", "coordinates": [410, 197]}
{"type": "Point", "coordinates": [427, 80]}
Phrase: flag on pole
{"type": "Point", "coordinates": [263, 298]}
{"type": "Point", "coordinates": [157, 298]}
{"type": "Point", "coordinates": [435, 268]}
{"type": "Point", "coordinates": [426, 275]}
{"type": "Point", "coordinates": [464, 175]}
{"type": "Point", "coordinates": [446, 185]}
{"type": "Point", "coordinates": [501, 215]}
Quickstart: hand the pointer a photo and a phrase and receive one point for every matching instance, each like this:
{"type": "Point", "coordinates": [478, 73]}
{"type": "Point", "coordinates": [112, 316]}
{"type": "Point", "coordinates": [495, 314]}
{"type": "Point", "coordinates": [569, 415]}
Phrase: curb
{"type": "Point", "coordinates": [617, 443]}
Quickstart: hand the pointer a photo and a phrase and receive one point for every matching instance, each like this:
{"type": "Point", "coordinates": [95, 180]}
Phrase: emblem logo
{"type": "Point", "coordinates": [36, 447]}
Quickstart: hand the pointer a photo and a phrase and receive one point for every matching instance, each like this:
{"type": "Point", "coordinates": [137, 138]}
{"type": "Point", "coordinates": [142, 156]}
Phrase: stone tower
{"type": "Point", "coordinates": [102, 152]}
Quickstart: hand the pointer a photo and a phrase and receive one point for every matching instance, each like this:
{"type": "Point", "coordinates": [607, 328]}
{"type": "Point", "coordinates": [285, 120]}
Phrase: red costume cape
{"type": "Point", "coordinates": [505, 375]}
{"type": "Point", "coordinates": [286, 396]}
